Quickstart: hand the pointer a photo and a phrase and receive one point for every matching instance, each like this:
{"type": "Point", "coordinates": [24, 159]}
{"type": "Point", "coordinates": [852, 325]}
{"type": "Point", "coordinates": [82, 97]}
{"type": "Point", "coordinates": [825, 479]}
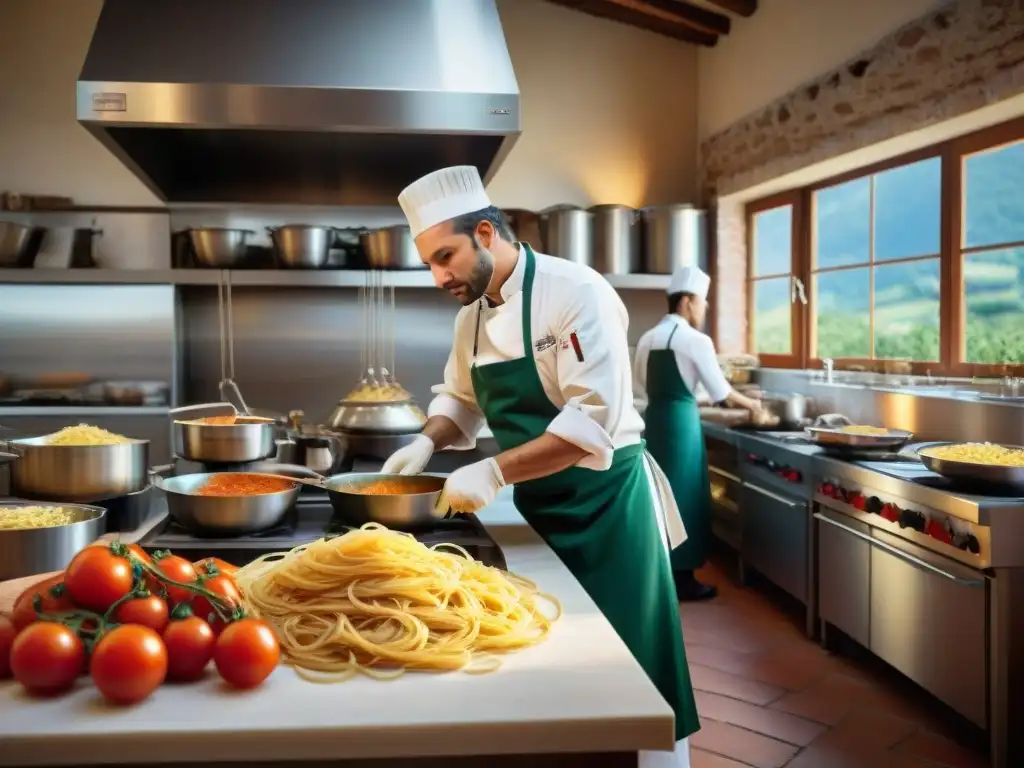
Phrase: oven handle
{"type": "Point", "coordinates": [904, 556]}
{"type": "Point", "coordinates": [723, 473]}
{"type": "Point", "coordinates": [770, 495]}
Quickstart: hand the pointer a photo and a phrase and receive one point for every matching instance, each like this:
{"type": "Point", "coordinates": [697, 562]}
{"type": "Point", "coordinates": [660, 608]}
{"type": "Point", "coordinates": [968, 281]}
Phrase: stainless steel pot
{"type": "Point", "coordinates": [218, 246]}
{"type": "Point", "coordinates": [14, 242]}
{"type": "Point", "coordinates": [674, 236]}
{"type": "Point", "coordinates": [80, 473]}
{"type": "Point", "coordinates": [395, 418]}
{"type": "Point", "coordinates": [400, 511]}
{"type": "Point", "coordinates": [569, 233]}
{"type": "Point", "coordinates": [301, 246]}
{"type": "Point", "coordinates": [223, 515]}
{"type": "Point", "coordinates": [792, 410]}
{"type": "Point", "coordinates": [28, 551]}
{"type": "Point", "coordinates": [616, 240]}
{"type": "Point", "coordinates": [222, 443]}
{"type": "Point", "coordinates": [322, 453]}
{"type": "Point", "coordinates": [391, 248]}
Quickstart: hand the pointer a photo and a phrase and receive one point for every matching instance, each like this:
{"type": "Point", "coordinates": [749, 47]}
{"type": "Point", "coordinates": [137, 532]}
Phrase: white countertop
{"type": "Point", "coordinates": [579, 691]}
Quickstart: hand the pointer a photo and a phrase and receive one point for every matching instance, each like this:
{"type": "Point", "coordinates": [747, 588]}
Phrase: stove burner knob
{"type": "Point", "coordinates": [857, 501]}
{"type": "Point", "coordinates": [911, 519]}
{"type": "Point", "coordinates": [891, 513]}
{"type": "Point", "coordinates": [938, 530]}
{"type": "Point", "coordinates": [874, 505]}
{"type": "Point", "coordinates": [967, 542]}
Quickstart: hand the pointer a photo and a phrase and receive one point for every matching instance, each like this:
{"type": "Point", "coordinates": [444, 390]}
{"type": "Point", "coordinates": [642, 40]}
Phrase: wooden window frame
{"type": "Point", "coordinates": [798, 320]}
{"type": "Point", "coordinates": [952, 338]}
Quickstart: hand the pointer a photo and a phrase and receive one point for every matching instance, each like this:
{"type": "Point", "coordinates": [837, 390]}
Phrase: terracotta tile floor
{"type": "Point", "coordinates": [768, 697]}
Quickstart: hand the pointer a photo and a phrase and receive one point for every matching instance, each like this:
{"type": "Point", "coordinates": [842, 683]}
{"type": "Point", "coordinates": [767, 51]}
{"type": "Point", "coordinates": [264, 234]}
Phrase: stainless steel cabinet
{"type": "Point", "coordinates": [844, 575]}
{"type": "Point", "coordinates": [928, 621]}
{"type": "Point", "coordinates": [774, 542]}
{"type": "Point", "coordinates": [726, 492]}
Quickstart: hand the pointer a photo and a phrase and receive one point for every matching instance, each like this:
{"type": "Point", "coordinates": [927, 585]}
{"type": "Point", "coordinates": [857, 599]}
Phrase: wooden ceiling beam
{"type": "Point", "coordinates": [745, 8]}
{"type": "Point", "coordinates": [679, 12]}
{"type": "Point", "coordinates": [614, 11]}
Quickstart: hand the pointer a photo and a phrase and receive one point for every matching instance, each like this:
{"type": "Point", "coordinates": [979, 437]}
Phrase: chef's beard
{"type": "Point", "coordinates": [479, 278]}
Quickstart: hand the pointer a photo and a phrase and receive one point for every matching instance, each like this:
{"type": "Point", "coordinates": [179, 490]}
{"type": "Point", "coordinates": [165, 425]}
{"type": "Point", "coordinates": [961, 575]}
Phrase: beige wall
{"type": "Point", "coordinates": [599, 125]}
{"type": "Point", "coordinates": [784, 44]}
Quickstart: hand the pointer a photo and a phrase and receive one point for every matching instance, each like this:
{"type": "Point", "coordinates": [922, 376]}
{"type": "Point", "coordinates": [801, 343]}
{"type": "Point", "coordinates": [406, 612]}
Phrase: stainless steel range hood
{"type": "Point", "coordinates": [339, 102]}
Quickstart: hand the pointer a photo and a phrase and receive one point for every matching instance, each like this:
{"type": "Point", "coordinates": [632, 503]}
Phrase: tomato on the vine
{"type": "Point", "coordinates": [7, 635]}
{"type": "Point", "coordinates": [247, 652]}
{"type": "Point", "coordinates": [221, 565]}
{"type": "Point", "coordinates": [149, 612]}
{"type": "Point", "coordinates": [53, 596]}
{"type": "Point", "coordinates": [220, 586]}
{"type": "Point", "coordinates": [176, 569]}
{"type": "Point", "coordinates": [96, 578]}
{"type": "Point", "coordinates": [140, 553]}
{"type": "Point", "coordinates": [47, 658]}
{"type": "Point", "coordinates": [128, 663]}
{"type": "Point", "coordinates": [190, 643]}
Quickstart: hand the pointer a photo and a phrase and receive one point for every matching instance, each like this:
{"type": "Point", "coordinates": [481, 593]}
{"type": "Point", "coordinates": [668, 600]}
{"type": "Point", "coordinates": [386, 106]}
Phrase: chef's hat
{"type": "Point", "coordinates": [443, 195]}
{"type": "Point", "coordinates": [690, 280]}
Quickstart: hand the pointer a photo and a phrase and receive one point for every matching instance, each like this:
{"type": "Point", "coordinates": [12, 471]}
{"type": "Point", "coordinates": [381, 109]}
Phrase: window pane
{"type": "Point", "coordinates": [773, 241]}
{"type": "Point", "coordinates": [773, 328]}
{"type": "Point", "coordinates": [908, 204]}
{"type": "Point", "coordinates": [907, 311]}
{"type": "Point", "coordinates": [842, 220]}
{"type": "Point", "coordinates": [994, 197]}
{"type": "Point", "coordinates": [994, 306]}
{"type": "Point", "coordinates": [842, 306]}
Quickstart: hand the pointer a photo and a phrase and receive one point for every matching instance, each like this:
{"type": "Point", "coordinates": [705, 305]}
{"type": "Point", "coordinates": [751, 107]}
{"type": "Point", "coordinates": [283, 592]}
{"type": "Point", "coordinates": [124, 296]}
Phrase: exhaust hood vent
{"type": "Point", "coordinates": [334, 102]}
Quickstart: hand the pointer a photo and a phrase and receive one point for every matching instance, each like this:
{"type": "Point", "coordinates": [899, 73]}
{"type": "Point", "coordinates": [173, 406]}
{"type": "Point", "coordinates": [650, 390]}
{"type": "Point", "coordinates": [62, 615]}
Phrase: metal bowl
{"type": "Point", "coordinates": [223, 515]}
{"type": "Point", "coordinates": [388, 418]}
{"type": "Point", "coordinates": [219, 247]}
{"type": "Point", "coordinates": [301, 246]}
{"type": "Point", "coordinates": [80, 473]}
{"type": "Point", "coordinates": [409, 511]}
{"type": "Point", "coordinates": [28, 551]}
{"type": "Point", "coordinates": [222, 443]}
{"type": "Point", "coordinates": [969, 472]}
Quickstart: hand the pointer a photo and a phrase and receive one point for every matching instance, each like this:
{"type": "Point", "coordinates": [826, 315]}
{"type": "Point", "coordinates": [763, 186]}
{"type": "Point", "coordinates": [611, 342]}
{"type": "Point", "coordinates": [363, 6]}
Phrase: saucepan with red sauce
{"type": "Point", "coordinates": [228, 503]}
{"type": "Point", "coordinates": [401, 502]}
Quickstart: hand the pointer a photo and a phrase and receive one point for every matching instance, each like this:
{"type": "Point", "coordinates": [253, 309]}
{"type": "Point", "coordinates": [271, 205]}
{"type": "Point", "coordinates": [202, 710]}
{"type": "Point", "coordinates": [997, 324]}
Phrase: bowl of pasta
{"type": "Point", "coordinates": [38, 537]}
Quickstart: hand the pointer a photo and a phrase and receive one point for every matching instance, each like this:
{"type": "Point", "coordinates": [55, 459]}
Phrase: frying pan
{"type": "Point", "coordinates": [835, 438]}
{"type": "Point", "coordinates": [992, 474]}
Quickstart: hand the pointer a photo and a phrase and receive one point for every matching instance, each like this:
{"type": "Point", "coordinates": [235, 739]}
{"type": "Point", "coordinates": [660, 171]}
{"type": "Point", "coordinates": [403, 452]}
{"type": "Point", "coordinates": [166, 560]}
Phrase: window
{"type": "Point", "coordinates": [774, 288]}
{"type": "Point", "coordinates": [919, 259]}
{"type": "Point", "coordinates": [992, 252]}
{"type": "Point", "coordinates": [876, 266]}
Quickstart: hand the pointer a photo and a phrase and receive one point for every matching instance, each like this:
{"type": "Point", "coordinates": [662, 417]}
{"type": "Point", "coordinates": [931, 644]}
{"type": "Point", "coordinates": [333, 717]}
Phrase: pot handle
{"type": "Point", "coordinates": [201, 407]}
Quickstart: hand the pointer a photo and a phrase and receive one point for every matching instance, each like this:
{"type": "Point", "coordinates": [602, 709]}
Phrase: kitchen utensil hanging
{"type": "Point", "coordinates": [379, 382]}
{"type": "Point", "coordinates": [229, 390]}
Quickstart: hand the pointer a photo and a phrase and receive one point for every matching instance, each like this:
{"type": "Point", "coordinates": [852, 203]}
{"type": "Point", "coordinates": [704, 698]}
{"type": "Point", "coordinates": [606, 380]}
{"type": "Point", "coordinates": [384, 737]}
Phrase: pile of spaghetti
{"type": "Point", "coordinates": [85, 434]}
{"type": "Point", "coordinates": [379, 602]}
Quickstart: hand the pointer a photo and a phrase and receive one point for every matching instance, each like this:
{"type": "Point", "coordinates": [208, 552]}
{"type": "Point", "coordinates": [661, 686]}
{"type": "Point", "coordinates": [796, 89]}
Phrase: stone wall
{"type": "Point", "coordinates": [964, 56]}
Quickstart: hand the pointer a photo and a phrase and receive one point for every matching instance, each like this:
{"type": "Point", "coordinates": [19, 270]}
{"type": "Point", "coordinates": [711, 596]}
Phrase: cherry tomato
{"type": "Point", "coordinates": [176, 569]}
{"type": "Point", "coordinates": [224, 588]}
{"type": "Point", "coordinates": [190, 644]}
{"type": "Point", "coordinates": [128, 663]}
{"type": "Point", "coordinates": [247, 652]}
{"type": "Point", "coordinates": [140, 553]}
{"type": "Point", "coordinates": [7, 635]}
{"type": "Point", "coordinates": [145, 611]}
{"type": "Point", "coordinates": [52, 593]}
{"type": "Point", "coordinates": [96, 578]}
{"type": "Point", "coordinates": [47, 658]}
{"type": "Point", "coordinates": [221, 565]}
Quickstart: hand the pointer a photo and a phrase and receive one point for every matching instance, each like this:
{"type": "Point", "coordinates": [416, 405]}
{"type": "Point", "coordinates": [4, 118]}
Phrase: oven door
{"type": "Point", "coordinates": [726, 490]}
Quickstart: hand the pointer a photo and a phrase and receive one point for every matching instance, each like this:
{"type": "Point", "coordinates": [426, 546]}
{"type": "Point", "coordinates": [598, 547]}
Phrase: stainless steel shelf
{"type": "Point", "coordinates": [336, 278]}
{"type": "Point", "coordinates": [85, 410]}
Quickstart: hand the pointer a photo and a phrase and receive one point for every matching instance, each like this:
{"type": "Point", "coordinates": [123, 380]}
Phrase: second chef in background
{"type": "Point", "coordinates": [540, 355]}
{"type": "Point", "coordinates": [672, 359]}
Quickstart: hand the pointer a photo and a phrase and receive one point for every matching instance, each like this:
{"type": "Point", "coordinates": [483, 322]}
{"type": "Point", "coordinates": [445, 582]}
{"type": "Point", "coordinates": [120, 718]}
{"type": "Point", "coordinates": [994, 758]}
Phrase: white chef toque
{"type": "Point", "coordinates": [442, 195]}
{"type": "Point", "coordinates": [689, 280]}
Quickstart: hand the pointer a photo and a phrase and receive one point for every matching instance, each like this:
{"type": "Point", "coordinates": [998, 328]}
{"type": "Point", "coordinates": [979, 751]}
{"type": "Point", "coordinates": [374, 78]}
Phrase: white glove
{"type": "Point", "coordinates": [471, 488]}
{"type": "Point", "coordinates": [411, 459]}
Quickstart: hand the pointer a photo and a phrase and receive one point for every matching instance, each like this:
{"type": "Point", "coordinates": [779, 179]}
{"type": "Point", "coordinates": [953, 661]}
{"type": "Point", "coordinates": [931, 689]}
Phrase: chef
{"type": "Point", "coordinates": [540, 355]}
{"type": "Point", "coordinates": [673, 359]}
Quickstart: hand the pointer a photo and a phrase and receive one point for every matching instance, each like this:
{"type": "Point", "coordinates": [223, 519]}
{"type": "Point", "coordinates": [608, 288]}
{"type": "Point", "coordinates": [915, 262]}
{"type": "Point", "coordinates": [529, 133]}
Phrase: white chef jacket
{"type": "Point", "coordinates": [695, 356]}
{"type": "Point", "coordinates": [595, 395]}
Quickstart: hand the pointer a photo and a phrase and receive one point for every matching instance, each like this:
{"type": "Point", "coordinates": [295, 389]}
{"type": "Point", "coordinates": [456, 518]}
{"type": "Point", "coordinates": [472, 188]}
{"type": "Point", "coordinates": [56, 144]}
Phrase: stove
{"type": "Point", "coordinates": [312, 518]}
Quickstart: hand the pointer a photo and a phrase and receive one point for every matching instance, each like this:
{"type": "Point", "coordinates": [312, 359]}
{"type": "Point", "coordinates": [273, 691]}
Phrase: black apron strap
{"type": "Point", "coordinates": [675, 327]}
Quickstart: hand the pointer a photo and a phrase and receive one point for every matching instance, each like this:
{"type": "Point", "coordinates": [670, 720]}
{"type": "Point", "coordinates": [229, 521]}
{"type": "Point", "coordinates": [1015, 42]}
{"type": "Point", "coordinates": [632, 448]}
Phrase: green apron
{"type": "Point", "coordinates": [676, 441]}
{"type": "Point", "coordinates": [602, 525]}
